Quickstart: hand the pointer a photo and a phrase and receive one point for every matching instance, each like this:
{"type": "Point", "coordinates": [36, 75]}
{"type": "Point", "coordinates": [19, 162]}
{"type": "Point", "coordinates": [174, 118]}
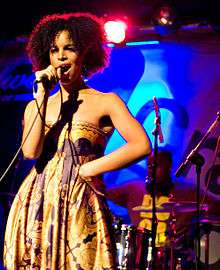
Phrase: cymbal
{"type": "Point", "coordinates": [210, 219]}
{"type": "Point", "coordinates": [176, 207]}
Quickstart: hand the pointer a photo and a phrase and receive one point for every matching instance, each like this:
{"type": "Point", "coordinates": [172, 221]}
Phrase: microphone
{"type": "Point", "coordinates": [158, 119]}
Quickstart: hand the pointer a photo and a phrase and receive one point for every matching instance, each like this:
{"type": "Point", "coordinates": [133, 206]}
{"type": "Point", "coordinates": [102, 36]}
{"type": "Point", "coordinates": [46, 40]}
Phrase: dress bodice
{"type": "Point", "coordinates": [76, 139]}
{"type": "Point", "coordinates": [82, 139]}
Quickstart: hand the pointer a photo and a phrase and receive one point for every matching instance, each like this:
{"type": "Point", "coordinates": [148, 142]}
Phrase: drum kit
{"type": "Point", "coordinates": [133, 244]}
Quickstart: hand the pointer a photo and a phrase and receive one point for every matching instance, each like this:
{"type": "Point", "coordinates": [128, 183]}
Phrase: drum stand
{"type": "Point", "coordinates": [175, 263]}
{"type": "Point", "coordinates": [172, 236]}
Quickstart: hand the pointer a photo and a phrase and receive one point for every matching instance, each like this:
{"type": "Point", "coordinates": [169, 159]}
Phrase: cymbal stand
{"type": "Point", "coordinates": [198, 160]}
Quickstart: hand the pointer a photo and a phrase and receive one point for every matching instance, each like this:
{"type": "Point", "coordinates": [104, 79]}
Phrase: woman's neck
{"type": "Point", "coordinates": [72, 89]}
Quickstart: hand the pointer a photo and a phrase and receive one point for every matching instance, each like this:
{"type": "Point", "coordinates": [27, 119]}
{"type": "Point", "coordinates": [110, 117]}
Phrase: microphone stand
{"type": "Point", "coordinates": [153, 195]}
{"type": "Point", "coordinates": [156, 132]}
{"type": "Point", "coordinates": [195, 158]}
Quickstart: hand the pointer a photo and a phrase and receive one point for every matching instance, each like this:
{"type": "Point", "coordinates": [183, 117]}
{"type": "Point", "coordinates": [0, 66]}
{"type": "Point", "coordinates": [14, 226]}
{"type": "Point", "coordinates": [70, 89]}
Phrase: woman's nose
{"type": "Point", "coordinates": [61, 56]}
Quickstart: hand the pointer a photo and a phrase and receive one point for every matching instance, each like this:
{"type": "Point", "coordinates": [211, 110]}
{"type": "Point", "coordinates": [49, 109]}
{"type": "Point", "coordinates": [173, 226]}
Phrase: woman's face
{"type": "Point", "coordinates": [63, 54]}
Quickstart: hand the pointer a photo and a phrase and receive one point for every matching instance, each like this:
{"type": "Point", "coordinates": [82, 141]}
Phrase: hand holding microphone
{"type": "Point", "coordinates": [48, 77]}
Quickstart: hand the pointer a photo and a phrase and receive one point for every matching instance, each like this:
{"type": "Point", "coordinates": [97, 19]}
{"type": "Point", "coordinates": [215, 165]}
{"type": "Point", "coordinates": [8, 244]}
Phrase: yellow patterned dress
{"type": "Point", "coordinates": [59, 220]}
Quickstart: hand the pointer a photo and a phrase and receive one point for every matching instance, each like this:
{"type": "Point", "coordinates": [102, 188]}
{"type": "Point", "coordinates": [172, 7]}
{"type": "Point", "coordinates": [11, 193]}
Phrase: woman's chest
{"type": "Point", "coordinates": [85, 108]}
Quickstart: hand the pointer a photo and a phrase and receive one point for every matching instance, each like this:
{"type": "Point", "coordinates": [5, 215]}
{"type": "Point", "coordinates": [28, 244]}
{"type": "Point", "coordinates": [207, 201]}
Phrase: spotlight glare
{"type": "Point", "coordinates": [115, 31]}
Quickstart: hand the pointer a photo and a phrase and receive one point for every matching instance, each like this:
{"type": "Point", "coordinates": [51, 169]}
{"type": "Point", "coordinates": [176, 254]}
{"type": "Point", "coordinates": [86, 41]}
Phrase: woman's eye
{"type": "Point", "coordinates": [53, 50]}
{"type": "Point", "coordinates": [73, 49]}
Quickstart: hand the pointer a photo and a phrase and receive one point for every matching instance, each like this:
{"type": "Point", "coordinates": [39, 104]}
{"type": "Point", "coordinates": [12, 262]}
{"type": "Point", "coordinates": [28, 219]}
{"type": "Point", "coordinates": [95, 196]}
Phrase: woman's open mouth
{"type": "Point", "coordinates": [64, 69]}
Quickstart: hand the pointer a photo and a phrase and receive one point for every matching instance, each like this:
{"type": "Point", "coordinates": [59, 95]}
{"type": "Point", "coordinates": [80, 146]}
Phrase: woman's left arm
{"type": "Point", "coordinates": [137, 142]}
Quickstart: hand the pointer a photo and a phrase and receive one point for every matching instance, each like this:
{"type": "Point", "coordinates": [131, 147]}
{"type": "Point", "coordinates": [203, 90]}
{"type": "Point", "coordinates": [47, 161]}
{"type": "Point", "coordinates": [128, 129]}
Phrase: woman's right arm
{"type": "Point", "coordinates": [35, 114]}
{"type": "Point", "coordinates": [34, 127]}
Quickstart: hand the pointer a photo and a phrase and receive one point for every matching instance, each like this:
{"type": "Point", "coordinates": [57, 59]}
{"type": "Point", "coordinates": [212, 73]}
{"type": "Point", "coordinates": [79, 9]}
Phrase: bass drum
{"type": "Point", "coordinates": [214, 248]}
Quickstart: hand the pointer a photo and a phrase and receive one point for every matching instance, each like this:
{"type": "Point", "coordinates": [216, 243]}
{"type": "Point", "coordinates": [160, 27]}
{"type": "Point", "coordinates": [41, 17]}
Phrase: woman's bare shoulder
{"type": "Point", "coordinates": [99, 92]}
{"type": "Point", "coordinates": [30, 105]}
{"type": "Point", "coordinates": [112, 98]}
{"type": "Point", "coordinates": [91, 91]}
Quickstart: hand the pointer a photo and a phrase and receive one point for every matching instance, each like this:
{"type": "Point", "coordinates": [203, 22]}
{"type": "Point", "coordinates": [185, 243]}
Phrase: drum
{"type": "Point", "coordinates": [132, 246]}
{"type": "Point", "coordinates": [210, 244]}
{"type": "Point", "coordinates": [134, 251]}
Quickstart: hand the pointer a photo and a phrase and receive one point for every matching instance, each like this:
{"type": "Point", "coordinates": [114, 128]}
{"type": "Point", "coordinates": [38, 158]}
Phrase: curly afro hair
{"type": "Point", "coordinates": [85, 29]}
